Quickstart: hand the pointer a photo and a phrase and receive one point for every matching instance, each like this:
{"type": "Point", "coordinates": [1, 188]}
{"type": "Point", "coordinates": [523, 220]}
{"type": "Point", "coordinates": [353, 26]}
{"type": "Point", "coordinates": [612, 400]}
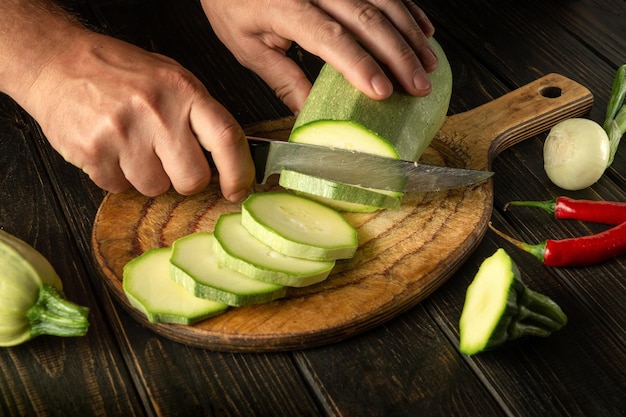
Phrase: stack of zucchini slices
{"type": "Point", "coordinates": [278, 240]}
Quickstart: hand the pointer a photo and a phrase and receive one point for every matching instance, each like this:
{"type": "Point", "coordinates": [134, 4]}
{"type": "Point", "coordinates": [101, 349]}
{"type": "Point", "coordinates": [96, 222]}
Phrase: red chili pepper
{"type": "Point", "coordinates": [607, 212]}
{"type": "Point", "coordinates": [579, 251]}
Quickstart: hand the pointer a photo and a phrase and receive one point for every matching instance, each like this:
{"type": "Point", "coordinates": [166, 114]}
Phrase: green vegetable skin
{"type": "Point", "coordinates": [499, 308]}
{"type": "Point", "coordinates": [406, 123]}
{"type": "Point", "coordinates": [31, 300]}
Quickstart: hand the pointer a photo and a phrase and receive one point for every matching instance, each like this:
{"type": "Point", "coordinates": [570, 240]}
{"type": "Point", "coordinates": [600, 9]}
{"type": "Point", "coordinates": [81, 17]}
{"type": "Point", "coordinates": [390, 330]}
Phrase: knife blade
{"type": "Point", "coordinates": [356, 168]}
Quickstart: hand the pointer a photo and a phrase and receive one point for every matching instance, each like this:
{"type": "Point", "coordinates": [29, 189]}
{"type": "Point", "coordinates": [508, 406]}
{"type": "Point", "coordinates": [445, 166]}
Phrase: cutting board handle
{"type": "Point", "coordinates": [485, 131]}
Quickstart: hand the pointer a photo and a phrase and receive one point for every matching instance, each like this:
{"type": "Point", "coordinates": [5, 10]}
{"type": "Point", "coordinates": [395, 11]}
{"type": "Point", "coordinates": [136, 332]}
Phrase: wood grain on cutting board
{"type": "Point", "coordinates": [403, 255]}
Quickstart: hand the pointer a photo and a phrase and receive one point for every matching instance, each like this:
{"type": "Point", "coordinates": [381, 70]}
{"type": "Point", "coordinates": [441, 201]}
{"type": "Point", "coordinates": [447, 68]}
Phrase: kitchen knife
{"type": "Point", "coordinates": [356, 168]}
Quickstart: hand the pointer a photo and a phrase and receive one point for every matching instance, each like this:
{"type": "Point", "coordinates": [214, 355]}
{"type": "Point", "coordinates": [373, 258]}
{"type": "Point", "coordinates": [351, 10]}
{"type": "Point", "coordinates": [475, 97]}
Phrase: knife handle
{"type": "Point", "coordinates": [259, 149]}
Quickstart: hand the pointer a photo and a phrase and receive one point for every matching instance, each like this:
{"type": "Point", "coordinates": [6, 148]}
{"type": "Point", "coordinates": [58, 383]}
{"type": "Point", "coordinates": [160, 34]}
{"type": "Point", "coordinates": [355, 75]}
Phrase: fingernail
{"type": "Point", "coordinates": [382, 86]}
{"type": "Point", "coordinates": [421, 82]}
{"type": "Point", "coordinates": [429, 58]}
{"type": "Point", "coordinates": [238, 196]}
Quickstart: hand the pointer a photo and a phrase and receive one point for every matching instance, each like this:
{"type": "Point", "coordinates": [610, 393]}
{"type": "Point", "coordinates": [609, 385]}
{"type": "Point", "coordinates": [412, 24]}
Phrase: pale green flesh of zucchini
{"type": "Point", "coordinates": [344, 134]}
{"type": "Point", "coordinates": [150, 289]}
{"type": "Point", "coordinates": [485, 302]}
{"type": "Point", "coordinates": [194, 266]}
{"type": "Point", "coordinates": [297, 226]}
{"type": "Point", "coordinates": [239, 250]}
{"type": "Point", "coordinates": [360, 199]}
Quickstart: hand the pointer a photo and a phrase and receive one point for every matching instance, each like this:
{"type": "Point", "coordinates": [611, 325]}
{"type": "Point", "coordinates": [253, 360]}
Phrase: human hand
{"type": "Point", "coordinates": [339, 31]}
{"type": "Point", "coordinates": [127, 117]}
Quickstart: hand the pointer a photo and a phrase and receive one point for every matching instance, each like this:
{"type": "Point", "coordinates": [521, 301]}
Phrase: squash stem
{"type": "Point", "coordinates": [56, 316]}
{"type": "Point", "coordinates": [538, 315]}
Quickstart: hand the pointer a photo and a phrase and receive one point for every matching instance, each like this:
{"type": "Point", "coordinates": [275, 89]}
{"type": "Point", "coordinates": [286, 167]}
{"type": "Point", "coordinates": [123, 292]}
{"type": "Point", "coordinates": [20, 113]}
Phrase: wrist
{"type": "Point", "coordinates": [34, 33]}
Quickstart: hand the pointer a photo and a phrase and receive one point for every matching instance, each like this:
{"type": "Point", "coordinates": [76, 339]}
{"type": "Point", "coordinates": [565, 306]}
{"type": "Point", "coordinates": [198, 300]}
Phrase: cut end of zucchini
{"type": "Point", "coordinates": [149, 288]}
{"type": "Point", "coordinates": [344, 134]}
{"type": "Point", "coordinates": [486, 302]}
{"type": "Point", "coordinates": [499, 308]}
{"type": "Point", "coordinates": [298, 226]}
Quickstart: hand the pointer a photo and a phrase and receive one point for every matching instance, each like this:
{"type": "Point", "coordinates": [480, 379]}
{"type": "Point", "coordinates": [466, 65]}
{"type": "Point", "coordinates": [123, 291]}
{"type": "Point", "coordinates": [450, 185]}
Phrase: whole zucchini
{"type": "Point", "coordinates": [31, 299]}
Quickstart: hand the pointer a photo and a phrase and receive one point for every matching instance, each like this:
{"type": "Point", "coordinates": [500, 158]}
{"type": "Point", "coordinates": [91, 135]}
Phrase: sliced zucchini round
{"type": "Point", "coordinates": [149, 288]}
{"type": "Point", "coordinates": [194, 266]}
{"type": "Point", "coordinates": [340, 196]}
{"type": "Point", "coordinates": [298, 226]}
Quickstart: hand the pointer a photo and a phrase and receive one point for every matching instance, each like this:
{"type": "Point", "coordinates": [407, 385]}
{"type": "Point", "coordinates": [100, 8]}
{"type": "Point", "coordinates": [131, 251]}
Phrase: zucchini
{"type": "Point", "coordinates": [194, 266]}
{"type": "Point", "coordinates": [237, 249]}
{"type": "Point", "coordinates": [338, 115]}
{"type": "Point", "coordinates": [150, 289]}
{"type": "Point", "coordinates": [31, 296]}
{"type": "Point", "coordinates": [499, 308]}
{"type": "Point", "coordinates": [339, 196]}
{"type": "Point", "coordinates": [298, 226]}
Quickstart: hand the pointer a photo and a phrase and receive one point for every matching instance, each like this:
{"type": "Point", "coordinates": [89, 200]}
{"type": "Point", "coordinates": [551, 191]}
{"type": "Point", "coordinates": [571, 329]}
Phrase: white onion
{"type": "Point", "coordinates": [576, 153]}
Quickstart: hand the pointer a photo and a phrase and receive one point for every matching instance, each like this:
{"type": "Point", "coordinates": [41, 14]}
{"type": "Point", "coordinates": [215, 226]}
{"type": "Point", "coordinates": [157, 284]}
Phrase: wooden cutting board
{"type": "Point", "coordinates": [403, 255]}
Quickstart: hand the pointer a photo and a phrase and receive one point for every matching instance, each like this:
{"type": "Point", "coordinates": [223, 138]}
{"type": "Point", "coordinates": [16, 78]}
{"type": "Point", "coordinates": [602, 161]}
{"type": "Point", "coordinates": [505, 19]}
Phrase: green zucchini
{"type": "Point", "coordinates": [499, 308]}
{"type": "Point", "coordinates": [194, 266]}
{"type": "Point", "coordinates": [150, 289]}
{"type": "Point", "coordinates": [237, 249]}
{"type": "Point", "coordinates": [298, 226]}
{"type": "Point", "coordinates": [338, 115]}
{"type": "Point", "coordinates": [406, 123]}
{"type": "Point", "coordinates": [339, 196]}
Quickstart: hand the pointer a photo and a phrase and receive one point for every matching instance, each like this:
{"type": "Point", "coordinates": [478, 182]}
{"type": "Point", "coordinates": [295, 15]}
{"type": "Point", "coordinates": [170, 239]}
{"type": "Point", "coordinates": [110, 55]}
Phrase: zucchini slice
{"type": "Point", "coordinates": [149, 288]}
{"type": "Point", "coordinates": [298, 226]}
{"type": "Point", "coordinates": [194, 266]}
{"type": "Point", "coordinates": [340, 196]}
{"type": "Point", "coordinates": [499, 308]}
{"type": "Point", "coordinates": [237, 249]}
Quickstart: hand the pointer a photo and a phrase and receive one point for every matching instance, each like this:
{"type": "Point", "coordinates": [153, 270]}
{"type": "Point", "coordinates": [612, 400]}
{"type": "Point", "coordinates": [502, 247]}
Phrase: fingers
{"type": "Point", "coordinates": [218, 132]}
{"type": "Point", "coordinates": [283, 75]}
{"type": "Point", "coordinates": [385, 28]}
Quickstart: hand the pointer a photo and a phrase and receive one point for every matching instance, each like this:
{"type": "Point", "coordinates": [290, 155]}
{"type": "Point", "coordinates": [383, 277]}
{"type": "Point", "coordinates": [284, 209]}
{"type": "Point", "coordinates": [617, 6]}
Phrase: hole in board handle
{"type": "Point", "coordinates": [551, 92]}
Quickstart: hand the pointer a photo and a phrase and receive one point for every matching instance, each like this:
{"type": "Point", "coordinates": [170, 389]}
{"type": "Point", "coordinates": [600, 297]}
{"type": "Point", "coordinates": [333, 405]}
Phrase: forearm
{"type": "Point", "coordinates": [31, 34]}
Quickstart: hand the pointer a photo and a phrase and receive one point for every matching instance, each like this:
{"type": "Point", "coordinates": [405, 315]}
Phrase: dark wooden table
{"type": "Point", "coordinates": [407, 367]}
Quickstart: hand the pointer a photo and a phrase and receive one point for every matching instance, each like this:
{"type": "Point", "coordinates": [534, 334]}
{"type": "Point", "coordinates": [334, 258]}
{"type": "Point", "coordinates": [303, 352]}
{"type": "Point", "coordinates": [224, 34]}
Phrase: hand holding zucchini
{"type": "Point", "coordinates": [31, 300]}
{"type": "Point", "coordinates": [499, 308]}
